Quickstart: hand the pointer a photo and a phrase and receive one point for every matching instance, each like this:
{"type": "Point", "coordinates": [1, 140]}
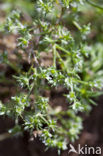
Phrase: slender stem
{"type": "Point", "coordinates": [54, 56]}
{"type": "Point", "coordinates": [77, 25]}
{"type": "Point", "coordinates": [80, 81]}
{"type": "Point", "coordinates": [94, 4]}
{"type": "Point", "coordinates": [60, 59]}
{"type": "Point", "coordinates": [44, 119]}
{"type": "Point", "coordinates": [62, 49]}
{"type": "Point", "coordinates": [31, 90]}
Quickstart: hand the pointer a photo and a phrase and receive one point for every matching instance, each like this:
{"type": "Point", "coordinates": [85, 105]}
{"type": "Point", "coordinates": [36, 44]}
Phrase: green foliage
{"type": "Point", "coordinates": [76, 67]}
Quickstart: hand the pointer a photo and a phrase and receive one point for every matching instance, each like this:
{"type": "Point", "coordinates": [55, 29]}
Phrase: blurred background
{"type": "Point", "coordinates": [92, 134]}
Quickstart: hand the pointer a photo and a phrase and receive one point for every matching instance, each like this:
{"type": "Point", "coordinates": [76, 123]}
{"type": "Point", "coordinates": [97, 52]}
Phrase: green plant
{"type": "Point", "coordinates": [73, 68]}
